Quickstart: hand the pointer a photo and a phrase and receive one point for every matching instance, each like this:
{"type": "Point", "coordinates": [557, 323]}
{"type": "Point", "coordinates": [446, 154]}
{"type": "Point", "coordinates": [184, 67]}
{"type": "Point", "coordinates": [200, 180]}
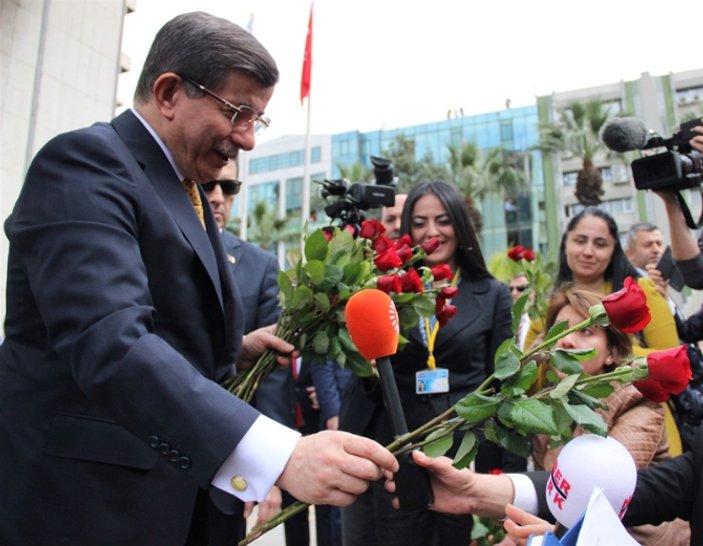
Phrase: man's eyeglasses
{"type": "Point", "coordinates": [243, 116]}
{"type": "Point", "coordinates": [229, 187]}
{"type": "Point", "coordinates": [520, 288]}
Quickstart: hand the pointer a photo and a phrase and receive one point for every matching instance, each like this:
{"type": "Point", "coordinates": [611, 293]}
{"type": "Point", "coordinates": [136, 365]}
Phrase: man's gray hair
{"type": "Point", "coordinates": [206, 49]}
{"type": "Point", "coordinates": [635, 229]}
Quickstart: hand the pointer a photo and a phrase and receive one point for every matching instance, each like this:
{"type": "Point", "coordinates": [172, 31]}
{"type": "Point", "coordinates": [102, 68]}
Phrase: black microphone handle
{"type": "Point", "coordinates": [391, 396]}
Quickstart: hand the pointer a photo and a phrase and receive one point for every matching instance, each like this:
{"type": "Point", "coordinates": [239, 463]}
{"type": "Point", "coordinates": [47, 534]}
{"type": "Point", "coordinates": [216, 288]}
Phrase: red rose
{"type": "Point", "coordinates": [516, 253]}
{"type": "Point", "coordinates": [351, 229]}
{"type": "Point", "coordinates": [370, 229]}
{"type": "Point", "coordinates": [496, 471]}
{"type": "Point", "coordinates": [328, 233]}
{"type": "Point", "coordinates": [405, 253]}
{"type": "Point", "coordinates": [627, 308]}
{"type": "Point", "coordinates": [529, 255]}
{"type": "Point", "coordinates": [388, 260]}
{"type": "Point", "coordinates": [447, 312]}
{"type": "Point", "coordinates": [441, 272]}
{"type": "Point", "coordinates": [382, 243]}
{"type": "Point", "coordinates": [389, 283]}
{"type": "Point", "coordinates": [448, 292]}
{"type": "Point", "coordinates": [669, 373]}
{"type": "Point", "coordinates": [411, 282]}
{"type": "Point", "coordinates": [404, 240]}
{"type": "Point", "coordinates": [430, 246]}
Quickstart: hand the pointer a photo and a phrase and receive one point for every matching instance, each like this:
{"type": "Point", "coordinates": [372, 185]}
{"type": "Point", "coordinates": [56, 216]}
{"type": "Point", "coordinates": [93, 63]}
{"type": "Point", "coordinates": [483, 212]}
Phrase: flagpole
{"type": "Point", "coordinates": [243, 209]}
{"type": "Point", "coordinates": [305, 81]}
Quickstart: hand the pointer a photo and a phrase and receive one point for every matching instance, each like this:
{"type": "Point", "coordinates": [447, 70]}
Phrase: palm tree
{"type": "Point", "coordinates": [477, 174]}
{"type": "Point", "coordinates": [577, 132]}
{"type": "Point", "coordinates": [265, 228]}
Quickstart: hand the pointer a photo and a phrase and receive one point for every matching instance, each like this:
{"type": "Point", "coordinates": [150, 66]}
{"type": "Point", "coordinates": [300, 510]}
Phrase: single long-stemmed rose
{"type": "Point", "coordinates": [510, 413]}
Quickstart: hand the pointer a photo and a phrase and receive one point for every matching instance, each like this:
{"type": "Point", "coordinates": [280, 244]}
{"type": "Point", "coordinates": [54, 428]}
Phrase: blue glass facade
{"type": "Point", "coordinates": [515, 130]}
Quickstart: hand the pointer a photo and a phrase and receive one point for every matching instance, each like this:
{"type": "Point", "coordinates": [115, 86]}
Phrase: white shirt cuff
{"type": "Point", "coordinates": [257, 461]}
{"type": "Point", "coordinates": [525, 493]}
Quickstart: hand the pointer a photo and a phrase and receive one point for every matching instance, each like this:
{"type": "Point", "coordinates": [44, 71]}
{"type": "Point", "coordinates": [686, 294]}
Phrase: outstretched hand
{"type": "Point", "coordinates": [462, 491]}
{"type": "Point", "coordinates": [520, 525]}
{"type": "Point", "coordinates": [333, 467]}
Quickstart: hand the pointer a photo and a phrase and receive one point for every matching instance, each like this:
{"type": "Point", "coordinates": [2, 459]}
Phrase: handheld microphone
{"type": "Point", "coordinates": [625, 135]}
{"type": "Point", "coordinates": [585, 462]}
{"type": "Point", "coordinates": [372, 321]}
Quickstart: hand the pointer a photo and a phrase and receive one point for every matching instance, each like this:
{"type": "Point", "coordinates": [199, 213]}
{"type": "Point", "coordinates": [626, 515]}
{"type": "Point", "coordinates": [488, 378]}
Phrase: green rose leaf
{"type": "Point", "coordinates": [316, 247]}
{"type": "Point", "coordinates": [578, 396]}
{"type": "Point", "coordinates": [533, 417]}
{"type": "Point", "coordinates": [424, 307]}
{"type": "Point", "coordinates": [322, 302]}
{"type": "Point", "coordinates": [351, 273]}
{"type": "Point", "coordinates": [333, 274]}
{"type": "Point", "coordinates": [285, 285]}
{"type": "Point", "coordinates": [517, 310]}
{"type": "Point", "coordinates": [507, 365]}
{"type": "Point", "coordinates": [557, 329]}
{"type": "Point", "coordinates": [587, 418]}
{"type": "Point", "coordinates": [583, 354]}
{"type": "Point", "coordinates": [467, 450]}
{"type": "Point", "coordinates": [565, 362]}
{"type": "Point", "coordinates": [523, 380]}
{"type": "Point", "coordinates": [438, 443]}
{"type": "Point", "coordinates": [476, 407]}
{"type": "Point", "coordinates": [321, 342]}
{"type": "Point", "coordinates": [302, 297]}
{"type": "Point", "coordinates": [597, 390]}
{"type": "Point", "coordinates": [507, 439]}
{"type": "Point", "coordinates": [358, 364]}
{"type": "Point", "coordinates": [315, 270]}
{"type": "Point", "coordinates": [564, 386]}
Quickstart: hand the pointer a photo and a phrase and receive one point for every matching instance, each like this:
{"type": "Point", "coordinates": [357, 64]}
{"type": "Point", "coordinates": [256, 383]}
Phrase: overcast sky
{"type": "Point", "coordinates": [392, 63]}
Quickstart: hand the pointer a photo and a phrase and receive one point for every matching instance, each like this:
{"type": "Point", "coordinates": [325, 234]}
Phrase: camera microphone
{"type": "Point", "coordinates": [625, 135]}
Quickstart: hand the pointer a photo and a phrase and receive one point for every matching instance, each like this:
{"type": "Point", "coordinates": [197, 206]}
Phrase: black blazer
{"type": "Point", "coordinates": [256, 275]}
{"type": "Point", "coordinates": [465, 346]}
{"type": "Point", "coordinates": [121, 318]}
{"type": "Point", "coordinates": [669, 490]}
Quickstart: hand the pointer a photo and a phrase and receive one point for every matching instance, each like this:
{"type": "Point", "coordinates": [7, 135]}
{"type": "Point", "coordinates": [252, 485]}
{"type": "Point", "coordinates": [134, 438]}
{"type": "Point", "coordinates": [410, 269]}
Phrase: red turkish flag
{"type": "Point", "coordinates": [307, 63]}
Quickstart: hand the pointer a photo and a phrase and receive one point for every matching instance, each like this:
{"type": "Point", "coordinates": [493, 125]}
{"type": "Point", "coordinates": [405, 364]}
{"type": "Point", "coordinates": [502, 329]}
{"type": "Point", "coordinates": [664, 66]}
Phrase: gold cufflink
{"type": "Point", "coordinates": [238, 483]}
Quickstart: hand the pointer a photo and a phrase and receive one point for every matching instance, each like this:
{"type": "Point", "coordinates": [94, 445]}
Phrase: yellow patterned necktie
{"type": "Point", "coordinates": [194, 197]}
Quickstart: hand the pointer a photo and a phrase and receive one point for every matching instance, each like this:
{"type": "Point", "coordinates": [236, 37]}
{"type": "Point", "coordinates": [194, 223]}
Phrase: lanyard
{"type": "Point", "coordinates": [431, 331]}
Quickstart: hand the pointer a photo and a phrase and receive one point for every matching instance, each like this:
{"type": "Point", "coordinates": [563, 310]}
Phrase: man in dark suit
{"type": "Point", "coordinates": [256, 276]}
{"type": "Point", "coordinates": [122, 317]}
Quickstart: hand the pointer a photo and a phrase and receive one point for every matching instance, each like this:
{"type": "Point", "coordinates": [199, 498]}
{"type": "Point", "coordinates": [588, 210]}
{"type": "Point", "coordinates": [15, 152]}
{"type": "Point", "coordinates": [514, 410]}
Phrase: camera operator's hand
{"type": "Point", "coordinates": [697, 141]}
{"type": "Point", "coordinates": [683, 243]}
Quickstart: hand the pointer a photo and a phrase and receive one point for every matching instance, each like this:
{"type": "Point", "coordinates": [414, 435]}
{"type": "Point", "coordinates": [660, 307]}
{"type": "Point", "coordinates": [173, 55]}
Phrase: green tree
{"type": "Point", "coordinates": [477, 173]}
{"type": "Point", "coordinates": [265, 229]}
{"type": "Point", "coordinates": [577, 132]}
{"type": "Point", "coordinates": [408, 169]}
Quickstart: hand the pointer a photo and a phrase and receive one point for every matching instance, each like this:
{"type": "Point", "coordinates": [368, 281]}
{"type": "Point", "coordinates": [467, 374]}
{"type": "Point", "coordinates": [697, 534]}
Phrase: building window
{"type": "Point", "coordinates": [569, 179]}
{"type": "Point", "coordinates": [613, 207]}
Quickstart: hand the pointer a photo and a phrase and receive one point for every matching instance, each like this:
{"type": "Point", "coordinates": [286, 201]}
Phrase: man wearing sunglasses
{"type": "Point", "coordinates": [256, 275]}
{"type": "Point", "coordinates": [518, 284]}
{"type": "Point", "coordinates": [123, 317]}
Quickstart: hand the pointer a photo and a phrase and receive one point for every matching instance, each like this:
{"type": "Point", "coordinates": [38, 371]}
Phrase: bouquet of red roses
{"type": "Point", "coordinates": [336, 264]}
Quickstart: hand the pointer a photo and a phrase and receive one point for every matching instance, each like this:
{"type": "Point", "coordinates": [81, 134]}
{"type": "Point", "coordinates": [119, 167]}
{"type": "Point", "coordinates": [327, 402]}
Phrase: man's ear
{"type": "Point", "coordinates": [168, 90]}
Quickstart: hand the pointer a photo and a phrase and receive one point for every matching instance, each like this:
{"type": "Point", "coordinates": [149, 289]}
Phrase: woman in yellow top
{"type": "Point", "coordinates": [591, 257]}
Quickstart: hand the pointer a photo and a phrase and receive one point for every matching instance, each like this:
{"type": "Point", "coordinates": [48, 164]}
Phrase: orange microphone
{"type": "Point", "coordinates": [372, 321]}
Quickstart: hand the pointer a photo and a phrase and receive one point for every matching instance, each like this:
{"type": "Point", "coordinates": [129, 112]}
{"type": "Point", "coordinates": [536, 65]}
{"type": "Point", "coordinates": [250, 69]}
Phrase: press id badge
{"type": "Point", "coordinates": [432, 381]}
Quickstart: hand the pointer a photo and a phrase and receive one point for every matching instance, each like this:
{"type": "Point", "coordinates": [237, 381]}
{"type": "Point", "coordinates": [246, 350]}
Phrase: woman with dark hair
{"type": "Point", "coordinates": [637, 423]}
{"type": "Point", "coordinates": [591, 256]}
{"type": "Point", "coordinates": [438, 366]}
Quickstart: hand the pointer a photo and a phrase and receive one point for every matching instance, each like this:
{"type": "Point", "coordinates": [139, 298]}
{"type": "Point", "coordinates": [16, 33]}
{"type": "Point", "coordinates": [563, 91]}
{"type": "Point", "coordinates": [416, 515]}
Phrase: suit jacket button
{"type": "Point", "coordinates": [153, 442]}
{"type": "Point", "coordinates": [164, 448]}
{"type": "Point", "coordinates": [184, 463]}
{"type": "Point", "coordinates": [238, 483]}
{"type": "Point", "coordinates": [173, 455]}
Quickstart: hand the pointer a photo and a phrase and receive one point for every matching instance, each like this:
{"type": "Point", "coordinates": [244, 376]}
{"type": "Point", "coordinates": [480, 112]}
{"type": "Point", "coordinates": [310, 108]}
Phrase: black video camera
{"type": "Point", "coordinates": [352, 199]}
{"type": "Point", "coordinates": [678, 168]}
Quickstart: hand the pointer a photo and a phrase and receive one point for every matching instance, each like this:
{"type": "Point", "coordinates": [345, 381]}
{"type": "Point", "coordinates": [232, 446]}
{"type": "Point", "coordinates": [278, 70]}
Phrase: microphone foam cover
{"type": "Point", "coordinates": [624, 134]}
{"type": "Point", "coordinates": [372, 321]}
{"type": "Point", "coordinates": [585, 462]}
